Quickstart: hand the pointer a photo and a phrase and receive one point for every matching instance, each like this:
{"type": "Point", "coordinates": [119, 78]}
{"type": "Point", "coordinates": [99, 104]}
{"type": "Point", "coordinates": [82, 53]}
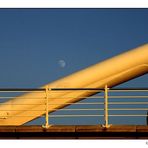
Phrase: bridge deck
{"type": "Point", "coordinates": [75, 132]}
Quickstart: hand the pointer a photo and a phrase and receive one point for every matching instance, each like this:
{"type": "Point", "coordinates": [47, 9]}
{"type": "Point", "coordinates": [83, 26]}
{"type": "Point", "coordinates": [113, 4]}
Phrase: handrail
{"type": "Point", "coordinates": [108, 104]}
{"type": "Point", "coordinates": [60, 89]}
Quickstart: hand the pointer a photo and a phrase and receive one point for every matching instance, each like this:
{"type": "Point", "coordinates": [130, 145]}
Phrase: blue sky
{"type": "Point", "coordinates": [32, 41]}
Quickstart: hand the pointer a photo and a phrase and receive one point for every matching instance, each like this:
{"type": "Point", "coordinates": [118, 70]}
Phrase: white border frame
{"type": "Point", "coordinates": [73, 3]}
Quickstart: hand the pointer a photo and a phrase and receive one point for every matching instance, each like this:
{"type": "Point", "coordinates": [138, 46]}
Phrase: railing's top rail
{"type": "Point", "coordinates": [71, 89]}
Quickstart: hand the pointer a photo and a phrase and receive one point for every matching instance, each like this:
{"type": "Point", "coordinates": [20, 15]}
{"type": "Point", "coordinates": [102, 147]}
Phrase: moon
{"type": "Point", "coordinates": [62, 63]}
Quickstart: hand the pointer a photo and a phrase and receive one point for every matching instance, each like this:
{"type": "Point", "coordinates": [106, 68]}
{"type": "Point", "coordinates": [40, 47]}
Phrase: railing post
{"type": "Point", "coordinates": [47, 104]}
{"type": "Point", "coordinates": [106, 125]}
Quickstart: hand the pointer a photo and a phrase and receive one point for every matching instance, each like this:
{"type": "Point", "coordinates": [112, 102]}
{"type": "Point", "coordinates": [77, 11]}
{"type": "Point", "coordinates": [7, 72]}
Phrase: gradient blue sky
{"type": "Point", "coordinates": [32, 41]}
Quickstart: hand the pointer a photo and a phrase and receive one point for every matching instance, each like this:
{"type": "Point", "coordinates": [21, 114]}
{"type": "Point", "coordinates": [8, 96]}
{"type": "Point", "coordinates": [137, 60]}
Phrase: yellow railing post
{"type": "Point", "coordinates": [47, 104]}
{"type": "Point", "coordinates": [106, 125]}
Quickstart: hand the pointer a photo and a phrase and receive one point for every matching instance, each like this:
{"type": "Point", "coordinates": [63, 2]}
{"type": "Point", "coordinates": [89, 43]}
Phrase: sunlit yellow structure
{"type": "Point", "coordinates": [110, 72]}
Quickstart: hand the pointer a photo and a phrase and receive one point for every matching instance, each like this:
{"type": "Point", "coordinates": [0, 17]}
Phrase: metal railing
{"type": "Point", "coordinates": [105, 102]}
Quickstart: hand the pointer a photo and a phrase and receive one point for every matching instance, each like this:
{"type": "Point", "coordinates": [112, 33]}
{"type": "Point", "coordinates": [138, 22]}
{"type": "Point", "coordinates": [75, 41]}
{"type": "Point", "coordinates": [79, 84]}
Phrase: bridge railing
{"type": "Point", "coordinates": [106, 102]}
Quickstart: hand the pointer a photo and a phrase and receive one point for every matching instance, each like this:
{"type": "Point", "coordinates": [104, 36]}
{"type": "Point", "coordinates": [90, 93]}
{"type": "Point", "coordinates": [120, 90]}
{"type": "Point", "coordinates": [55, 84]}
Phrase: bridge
{"type": "Point", "coordinates": [105, 103]}
{"type": "Point", "coordinates": [89, 93]}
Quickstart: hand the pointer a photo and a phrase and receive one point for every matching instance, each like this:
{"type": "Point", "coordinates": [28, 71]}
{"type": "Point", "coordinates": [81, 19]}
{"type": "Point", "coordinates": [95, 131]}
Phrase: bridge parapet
{"type": "Point", "coordinates": [106, 105]}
